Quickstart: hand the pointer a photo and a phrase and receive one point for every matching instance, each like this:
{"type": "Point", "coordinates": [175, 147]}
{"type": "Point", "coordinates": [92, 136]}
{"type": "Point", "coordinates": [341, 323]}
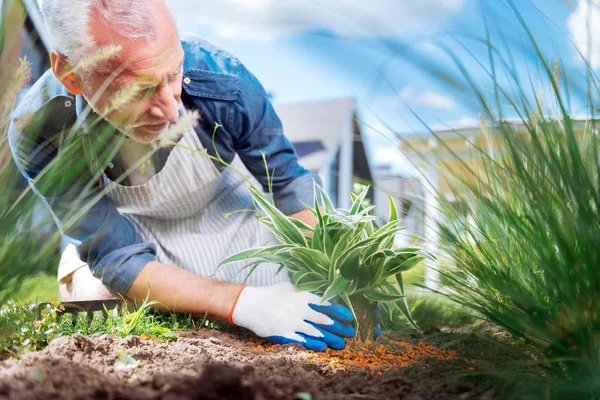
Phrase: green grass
{"type": "Point", "coordinates": [430, 312]}
{"type": "Point", "coordinates": [38, 288]}
{"type": "Point", "coordinates": [25, 327]}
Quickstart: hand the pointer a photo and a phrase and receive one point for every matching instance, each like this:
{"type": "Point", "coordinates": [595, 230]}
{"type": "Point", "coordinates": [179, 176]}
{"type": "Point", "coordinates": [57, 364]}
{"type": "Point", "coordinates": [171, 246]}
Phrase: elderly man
{"type": "Point", "coordinates": [162, 227]}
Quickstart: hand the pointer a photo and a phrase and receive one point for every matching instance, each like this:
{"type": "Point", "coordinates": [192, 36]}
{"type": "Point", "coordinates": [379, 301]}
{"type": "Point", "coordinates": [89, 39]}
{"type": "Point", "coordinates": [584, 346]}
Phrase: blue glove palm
{"type": "Point", "coordinates": [284, 315]}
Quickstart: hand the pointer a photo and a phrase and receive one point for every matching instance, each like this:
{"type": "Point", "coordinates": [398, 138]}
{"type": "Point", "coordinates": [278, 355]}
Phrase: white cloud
{"type": "Point", "coordinates": [584, 27]}
{"type": "Point", "coordinates": [271, 19]}
{"type": "Point", "coordinates": [414, 97]}
{"type": "Point", "coordinates": [436, 100]}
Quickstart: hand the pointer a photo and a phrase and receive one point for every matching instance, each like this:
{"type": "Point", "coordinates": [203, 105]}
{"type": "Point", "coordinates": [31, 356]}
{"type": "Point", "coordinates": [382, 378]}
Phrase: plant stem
{"type": "Point", "coordinates": [365, 317]}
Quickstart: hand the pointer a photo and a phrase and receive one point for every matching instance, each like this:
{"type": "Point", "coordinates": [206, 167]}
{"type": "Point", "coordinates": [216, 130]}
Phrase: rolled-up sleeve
{"type": "Point", "coordinates": [110, 244]}
{"type": "Point", "coordinates": [292, 197]}
{"type": "Point", "coordinates": [259, 130]}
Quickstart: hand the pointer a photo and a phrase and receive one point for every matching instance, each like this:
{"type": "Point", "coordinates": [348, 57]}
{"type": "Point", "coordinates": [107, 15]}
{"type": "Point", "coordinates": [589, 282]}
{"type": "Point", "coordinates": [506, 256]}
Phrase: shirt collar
{"type": "Point", "coordinates": [81, 107]}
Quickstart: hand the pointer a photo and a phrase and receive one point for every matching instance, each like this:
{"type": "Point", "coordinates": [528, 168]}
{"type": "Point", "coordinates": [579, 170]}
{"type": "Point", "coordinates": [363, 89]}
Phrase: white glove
{"type": "Point", "coordinates": [284, 315]}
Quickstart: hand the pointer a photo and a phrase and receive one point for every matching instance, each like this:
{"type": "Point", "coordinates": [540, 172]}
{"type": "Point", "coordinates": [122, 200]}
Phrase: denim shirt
{"type": "Point", "coordinates": [223, 91]}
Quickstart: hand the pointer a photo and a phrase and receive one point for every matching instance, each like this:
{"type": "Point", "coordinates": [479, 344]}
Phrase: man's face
{"type": "Point", "coordinates": [152, 70]}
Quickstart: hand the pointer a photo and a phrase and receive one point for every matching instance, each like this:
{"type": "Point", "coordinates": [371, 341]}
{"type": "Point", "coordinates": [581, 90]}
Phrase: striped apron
{"type": "Point", "coordinates": [181, 210]}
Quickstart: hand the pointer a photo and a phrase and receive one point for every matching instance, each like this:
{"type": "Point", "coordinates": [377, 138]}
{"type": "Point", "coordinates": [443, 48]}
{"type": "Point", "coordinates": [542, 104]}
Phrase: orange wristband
{"type": "Point", "coordinates": [230, 318]}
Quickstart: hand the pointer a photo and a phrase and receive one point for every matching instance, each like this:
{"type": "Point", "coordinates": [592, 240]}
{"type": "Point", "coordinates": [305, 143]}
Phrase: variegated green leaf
{"type": "Point", "coordinates": [387, 229]}
{"type": "Point", "coordinates": [352, 287]}
{"type": "Point", "coordinates": [312, 260]}
{"type": "Point", "coordinates": [353, 248]}
{"type": "Point", "coordinates": [298, 276]}
{"type": "Point", "coordinates": [294, 265]}
{"type": "Point", "coordinates": [241, 256]}
{"type": "Point", "coordinates": [341, 245]}
{"type": "Point", "coordinates": [366, 211]}
{"type": "Point", "coordinates": [406, 250]}
{"type": "Point", "coordinates": [317, 210]}
{"type": "Point", "coordinates": [410, 263]}
{"type": "Point", "coordinates": [327, 244]}
{"type": "Point", "coordinates": [301, 225]}
{"type": "Point", "coordinates": [252, 267]}
{"type": "Point", "coordinates": [337, 287]}
{"type": "Point", "coordinates": [384, 252]}
{"type": "Point", "coordinates": [382, 297]}
{"type": "Point", "coordinates": [349, 265]}
{"type": "Point", "coordinates": [369, 228]}
{"type": "Point", "coordinates": [281, 222]}
{"type": "Point", "coordinates": [271, 253]}
{"type": "Point", "coordinates": [398, 264]}
{"type": "Point", "coordinates": [357, 205]}
{"type": "Point", "coordinates": [327, 204]}
{"type": "Point", "coordinates": [346, 299]}
{"type": "Point", "coordinates": [402, 305]}
{"type": "Point", "coordinates": [306, 254]}
{"type": "Point", "coordinates": [314, 286]}
{"type": "Point", "coordinates": [317, 239]}
{"type": "Point", "coordinates": [393, 210]}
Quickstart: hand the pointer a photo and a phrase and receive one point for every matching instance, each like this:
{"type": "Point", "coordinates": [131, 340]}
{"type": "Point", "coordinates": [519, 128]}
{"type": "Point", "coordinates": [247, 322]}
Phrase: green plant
{"type": "Point", "coordinates": [346, 256]}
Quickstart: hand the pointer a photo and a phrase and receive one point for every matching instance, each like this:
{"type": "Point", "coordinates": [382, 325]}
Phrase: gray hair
{"type": "Point", "coordinates": [68, 23]}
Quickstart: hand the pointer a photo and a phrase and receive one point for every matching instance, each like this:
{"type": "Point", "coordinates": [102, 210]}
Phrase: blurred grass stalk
{"type": "Point", "coordinates": [69, 183]}
{"type": "Point", "coordinates": [20, 254]}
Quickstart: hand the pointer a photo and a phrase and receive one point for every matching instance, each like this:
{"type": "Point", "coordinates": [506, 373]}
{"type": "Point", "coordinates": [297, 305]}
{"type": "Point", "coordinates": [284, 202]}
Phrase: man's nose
{"type": "Point", "coordinates": [164, 104]}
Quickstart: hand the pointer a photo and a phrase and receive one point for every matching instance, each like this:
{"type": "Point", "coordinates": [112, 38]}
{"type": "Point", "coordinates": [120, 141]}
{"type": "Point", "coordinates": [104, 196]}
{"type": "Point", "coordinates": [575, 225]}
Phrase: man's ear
{"type": "Point", "coordinates": [64, 73]}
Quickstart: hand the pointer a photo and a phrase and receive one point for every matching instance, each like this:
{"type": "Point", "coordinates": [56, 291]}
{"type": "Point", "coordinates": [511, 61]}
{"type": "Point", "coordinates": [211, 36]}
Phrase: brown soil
{"type": "Point", "coordinates": [229, 364]}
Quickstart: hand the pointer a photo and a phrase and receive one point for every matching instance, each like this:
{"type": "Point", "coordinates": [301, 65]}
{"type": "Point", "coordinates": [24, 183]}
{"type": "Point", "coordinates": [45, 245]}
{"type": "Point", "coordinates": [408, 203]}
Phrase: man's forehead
{"type": "Point", "coordinates": [141, 66]}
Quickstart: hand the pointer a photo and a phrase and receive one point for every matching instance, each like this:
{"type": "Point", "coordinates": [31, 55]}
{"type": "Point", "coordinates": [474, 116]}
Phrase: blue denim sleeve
{"type": "Point", "coordinates": [105, 240]}
{"type": "Point", "coordinates": [260, 130]}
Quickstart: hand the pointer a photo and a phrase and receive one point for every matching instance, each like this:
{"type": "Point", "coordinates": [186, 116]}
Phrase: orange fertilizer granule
{"type": "Point", "coordinates": [376, 357]}
{"type": "Point", "coordinates": [392, 354]}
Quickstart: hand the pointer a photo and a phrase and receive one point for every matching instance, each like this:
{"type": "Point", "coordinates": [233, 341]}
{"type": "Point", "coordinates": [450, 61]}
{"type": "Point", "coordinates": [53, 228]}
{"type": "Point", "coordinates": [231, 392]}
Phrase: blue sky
{"type": "Point", "coordinates": [303, 50]}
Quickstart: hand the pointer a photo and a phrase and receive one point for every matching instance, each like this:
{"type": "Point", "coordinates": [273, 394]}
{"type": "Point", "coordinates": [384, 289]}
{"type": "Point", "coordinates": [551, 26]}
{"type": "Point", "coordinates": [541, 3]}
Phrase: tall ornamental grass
{"type": "Point", "coordinates": [529, 260]}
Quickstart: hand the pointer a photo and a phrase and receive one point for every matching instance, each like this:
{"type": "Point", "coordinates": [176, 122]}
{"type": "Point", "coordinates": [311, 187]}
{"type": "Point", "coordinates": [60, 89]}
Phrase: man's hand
{"type": "Point", "coordinates": [284, 315]}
